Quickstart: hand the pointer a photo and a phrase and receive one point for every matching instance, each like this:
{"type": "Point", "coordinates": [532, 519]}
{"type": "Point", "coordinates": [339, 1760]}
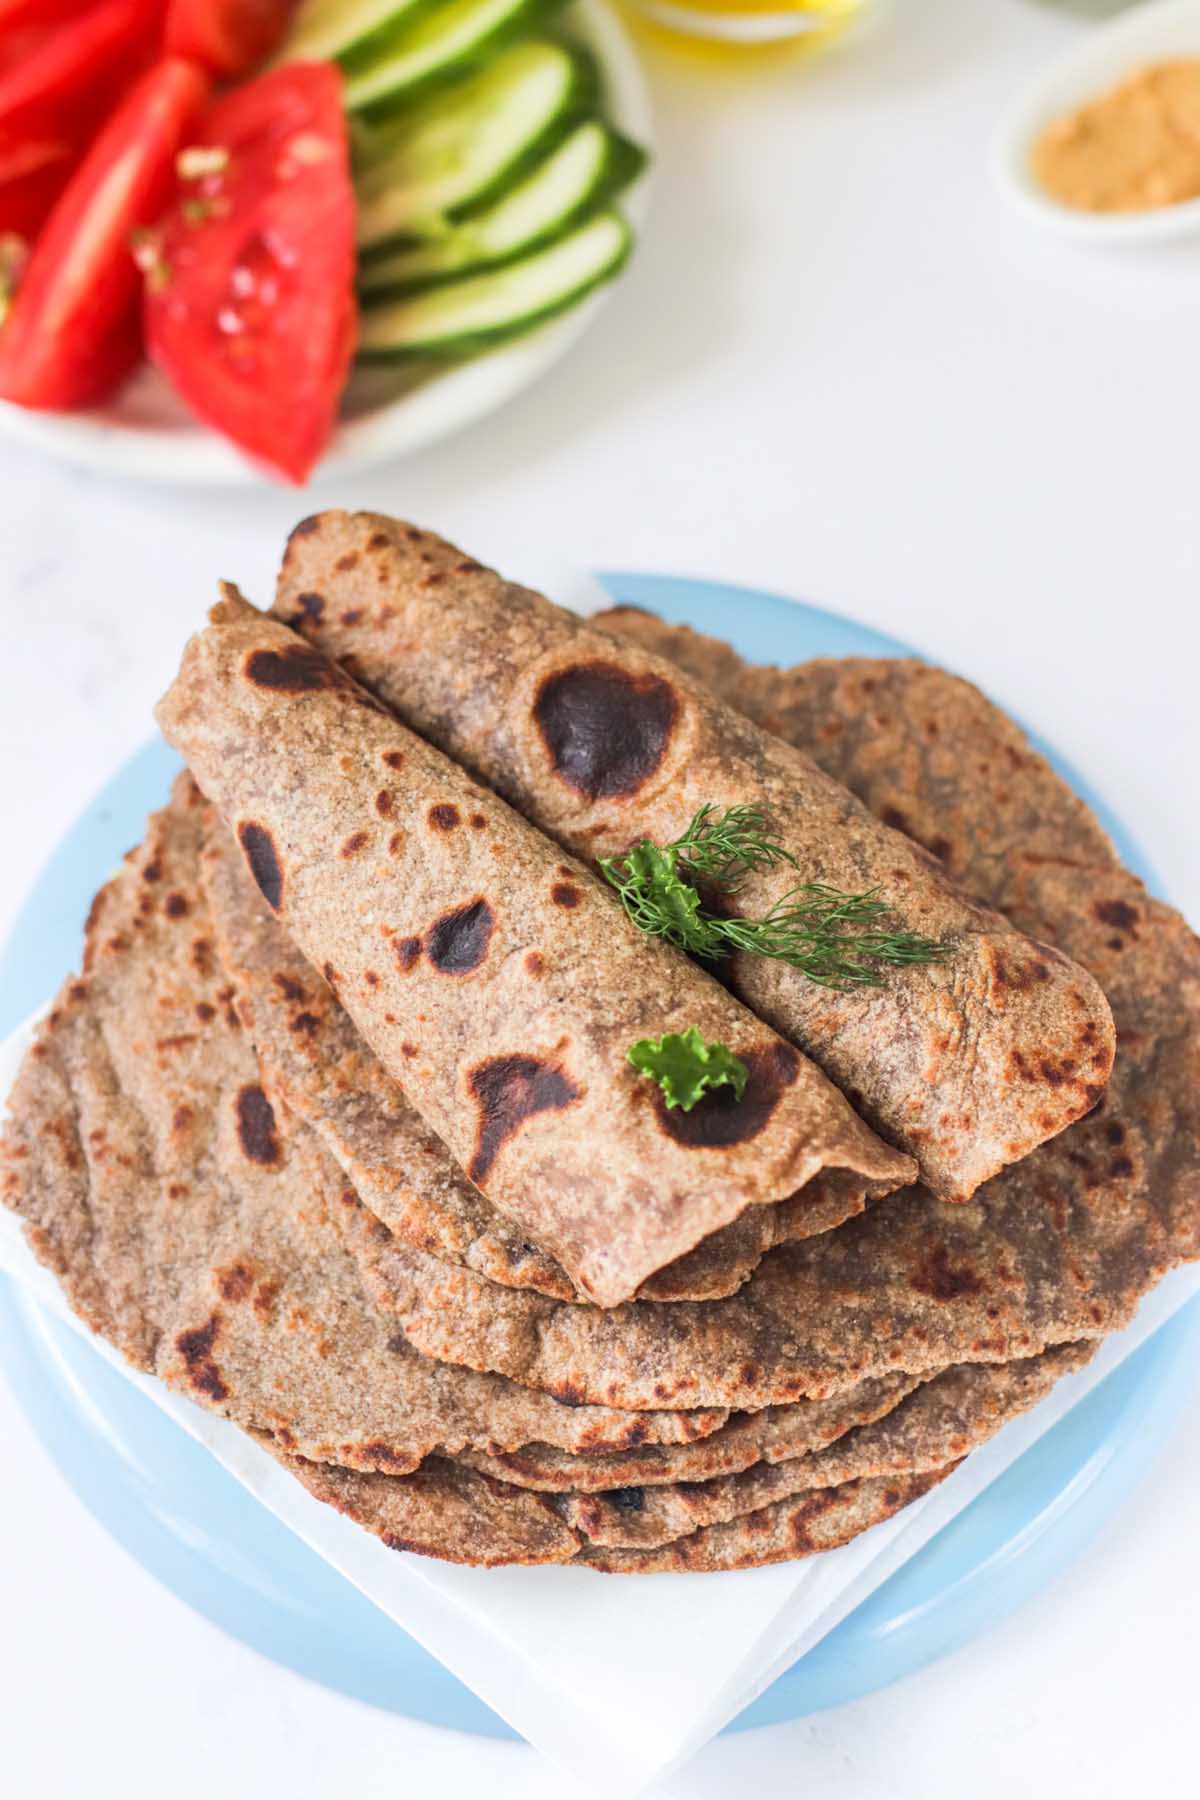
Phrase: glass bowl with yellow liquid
{"type": "Point", "coordinates": [755, 21]}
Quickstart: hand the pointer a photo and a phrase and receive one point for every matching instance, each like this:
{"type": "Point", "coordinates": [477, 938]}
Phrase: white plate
{"type": "Point", "coordinates": [1148, 34]}
{"type": "Point", "coordinates": [146, 434]}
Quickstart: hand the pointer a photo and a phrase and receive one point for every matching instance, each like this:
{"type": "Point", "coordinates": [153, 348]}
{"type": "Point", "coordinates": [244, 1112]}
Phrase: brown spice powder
{"type": "Point", "coordinates": [1132, 149]}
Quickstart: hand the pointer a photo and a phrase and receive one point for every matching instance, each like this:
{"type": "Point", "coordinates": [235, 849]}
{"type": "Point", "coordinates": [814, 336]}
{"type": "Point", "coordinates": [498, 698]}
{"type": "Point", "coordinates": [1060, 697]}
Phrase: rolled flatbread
{"type": "Point", "coordinates": [497, 981]}
{"type": "Point", "coordinates": [967, 1063]}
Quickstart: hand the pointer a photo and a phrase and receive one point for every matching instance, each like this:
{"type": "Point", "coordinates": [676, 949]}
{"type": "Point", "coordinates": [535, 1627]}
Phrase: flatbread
{"type": "Point", "coordinates": [500, 984]}
{"type": "Point", "coordinates": [600, 743]}
{"type": "Point", "coordinates": [1057, 1248]}
{"type": "Point", "coordinates": [772, 1435]}
{"type": "Point", "coordinates": [197, 1228]}
{"type": "Point", "coordinates": [804, 1525]}
{"type": "Point", "coordinates": [314, 1059]}
{"type": "Point", "coordinates": [940, 1422]}
{"type": "Point", "coordinates": [446, 1512]}
{"type": "Point", "coordinates": [441, 1510]}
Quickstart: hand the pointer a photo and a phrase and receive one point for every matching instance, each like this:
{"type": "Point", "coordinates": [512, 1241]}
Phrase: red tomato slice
{"type": "Point", "coordinates": [72, 330]}
{"type": "Point", "coordinates": [24, 12]}
{"type": "Point", "coordinates": [27, 195]}
{"type": "Point", "coordinates": [253, 319]}
{"type": "Point", "coordinates": [75, 56]}
{"type": "Point", "coordinates": [230, 37]}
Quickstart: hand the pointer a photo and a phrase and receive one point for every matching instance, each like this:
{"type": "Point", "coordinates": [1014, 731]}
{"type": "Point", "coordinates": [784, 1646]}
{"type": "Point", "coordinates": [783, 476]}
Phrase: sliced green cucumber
{"type": "Point", "coordinates": [324, 29]}
{"type": "Point", "coordinates": [590, 165]}
{"type": "Point", "coordinates": [482, 310]}
{"type": "Point", "coordinates": [437, 44]}
{"type": "Point", "coordinates": [460, 148]}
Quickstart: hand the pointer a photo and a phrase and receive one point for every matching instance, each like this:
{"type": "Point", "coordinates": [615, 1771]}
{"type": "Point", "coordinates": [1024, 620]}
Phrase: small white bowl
{"type": "Point", "coordinates": [1149, 34]}
{"type": "Point", "coordinates": [147, 435]}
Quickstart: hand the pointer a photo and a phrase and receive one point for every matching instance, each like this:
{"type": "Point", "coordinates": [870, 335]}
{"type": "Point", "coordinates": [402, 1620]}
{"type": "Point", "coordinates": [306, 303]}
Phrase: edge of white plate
{"type": "Point", "coordinates": [191, 455]}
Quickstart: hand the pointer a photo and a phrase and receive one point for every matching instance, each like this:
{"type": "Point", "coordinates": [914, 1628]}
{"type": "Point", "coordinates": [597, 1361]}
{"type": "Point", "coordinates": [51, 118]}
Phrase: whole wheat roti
{"type": "Point", "coordinates": [499, 983]}
{"type": "Point", "coordinates": [195, 1227]}
{"type": "Point", "coordinates": [437, 1512]}
{"type": "Point", "coordinates": [180, 1213]}
{"type": "Point", "coordinates": [600, 743]}
{"type": "Point", "coordinates": [940, 1422]}
{"type": "Point", "coordinates": [788, 1530]}
{"type": "Point", "coordinates": [440, 1510]}
{"type": "Point", "coordinates": [772, 1435]}
{"type": "Point", "coordinates": [313, 1057]}
{"type": "Point", "coordinates": [1057, 1248]}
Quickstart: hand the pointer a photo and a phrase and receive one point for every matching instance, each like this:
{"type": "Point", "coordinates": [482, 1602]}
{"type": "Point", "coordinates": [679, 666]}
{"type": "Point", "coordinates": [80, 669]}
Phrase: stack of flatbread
{"type": "Point", "coordinates": [336, 1130]}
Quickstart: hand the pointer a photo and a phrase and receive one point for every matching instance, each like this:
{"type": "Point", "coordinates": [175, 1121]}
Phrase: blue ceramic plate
{"type": "Point", "coordinates": [191, 1524]}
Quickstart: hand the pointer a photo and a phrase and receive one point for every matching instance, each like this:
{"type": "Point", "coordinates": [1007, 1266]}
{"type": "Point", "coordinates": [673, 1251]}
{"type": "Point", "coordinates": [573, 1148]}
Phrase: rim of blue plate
{"type": "Point", "coordinates": [194, 1527]}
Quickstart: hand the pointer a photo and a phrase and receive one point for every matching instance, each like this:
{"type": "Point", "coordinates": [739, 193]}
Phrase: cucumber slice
{"type": "Point", "coordinates": [590, 165]}
{"type": "Point", "coordinates": [327, 29]}
{"type": "Point", "coordinates": [437, 44]}
{"type": "Point", "coordinates": [457, 149]}
{"type": "Point", "coordinates": [482, 310]}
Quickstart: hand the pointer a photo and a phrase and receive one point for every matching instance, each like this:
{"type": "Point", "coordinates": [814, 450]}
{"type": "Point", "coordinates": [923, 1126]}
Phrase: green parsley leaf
{"type": "Point", "coordinates": [685, 1066]}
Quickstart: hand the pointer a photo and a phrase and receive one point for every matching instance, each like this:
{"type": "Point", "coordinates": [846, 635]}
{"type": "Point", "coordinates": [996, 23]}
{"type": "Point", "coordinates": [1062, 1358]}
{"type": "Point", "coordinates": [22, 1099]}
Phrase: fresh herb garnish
{"type": "Point", "coordinates": [685, 1066]}
{"type": "Point", "coordinates": [723, 848]}
{"type": "Point", "coordinates": [837, 940]}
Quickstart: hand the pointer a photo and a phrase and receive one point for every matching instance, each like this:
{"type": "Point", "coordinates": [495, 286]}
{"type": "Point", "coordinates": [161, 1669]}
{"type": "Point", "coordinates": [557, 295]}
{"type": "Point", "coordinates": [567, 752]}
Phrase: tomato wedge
{"type": "Point", "coordinates": [60, 78]}
{"type": "Point", "coordinates": [253, 319]}
{"type": "Point", "coordinates": [72, 334]}
{"type": "Point", "coordinates": [22, 12]}
{"type": "Point", "coordinates": [28, 193]}
{"type": "Point", "coordinates": [60, 65]}
{"type": "Point", "coordinates": [230, 37]}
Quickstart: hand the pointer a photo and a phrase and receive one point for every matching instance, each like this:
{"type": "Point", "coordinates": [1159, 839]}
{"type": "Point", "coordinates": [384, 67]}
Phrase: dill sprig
{"type": "Point", "coordinates": [837, 940]}
{"type": "Point", "coordinates": [723, 848]}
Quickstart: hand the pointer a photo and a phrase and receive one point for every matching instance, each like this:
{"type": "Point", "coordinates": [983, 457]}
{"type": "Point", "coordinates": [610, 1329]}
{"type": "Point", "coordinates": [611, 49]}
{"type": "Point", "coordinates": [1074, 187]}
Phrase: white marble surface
{"type": "Point", "coordinates": [838, 368]}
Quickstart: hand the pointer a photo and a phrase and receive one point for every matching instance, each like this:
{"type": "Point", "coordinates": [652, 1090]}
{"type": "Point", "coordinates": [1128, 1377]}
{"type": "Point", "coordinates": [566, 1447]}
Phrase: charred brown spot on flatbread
{"type": "Point", "coordinates": [256, 1126]}
{"type": "Point", "coordinates": [444, 816]}
{"type": "Point", "coordinates": [299, 669]}
{"type": "Point", "coordinates": [408, 953]}
{"type": "Point", "coordinates": [311, 607]}
{"type": "Point", "coordinates": [258, 847]}
{"type": "Point", "coordinates": [509, 1090]}
{"type": "Point", "coordinates": [386, 1456]}
{"type": "Point", "coordinates": [941, 1279]}
{"type": "Point", "coordinates": [719, 1119]}
{"type": "Point", "coordinates": [1117, 913]}
{"type": "Point", "coordinates": [296, 669]}
{"type": "Point", "coordinates": [606, 731]}
{"type": "Point", "coordinates": [235, 1282]}
{"type": "Point", "coordinates": [566, 894]}
{"type": "Point", "coordinates": [196, 1349]}
{"type": "Point", "coordinates": [1014, 975]}
{"type": "Point", "coordinates": [628, 1499]}
{"type": "Point", "coordinates": [458, 941]}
